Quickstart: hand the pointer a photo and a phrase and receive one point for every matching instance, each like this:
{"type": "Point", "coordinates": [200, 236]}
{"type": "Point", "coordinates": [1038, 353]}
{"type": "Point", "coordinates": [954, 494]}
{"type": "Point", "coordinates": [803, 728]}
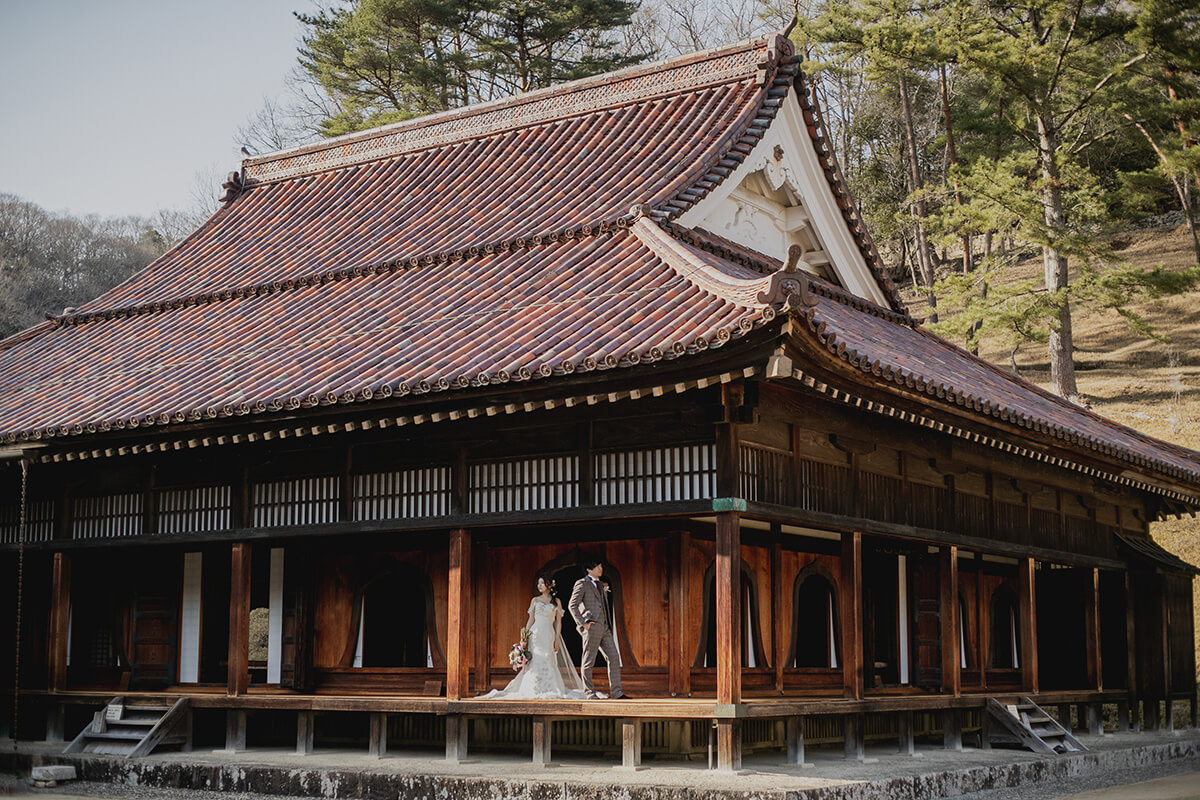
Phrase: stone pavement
{"type": "Point", "coordinates": [337, 774]}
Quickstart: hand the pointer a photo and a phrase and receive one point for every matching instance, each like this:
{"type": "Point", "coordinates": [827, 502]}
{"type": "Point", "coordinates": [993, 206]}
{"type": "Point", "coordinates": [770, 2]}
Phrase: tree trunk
{"type": "Point", "coordinates": [952, 157]}
{"type": "Point", "coordinates": [1054, 262]}
{"type": "Point", "coordinates": [924, 256]}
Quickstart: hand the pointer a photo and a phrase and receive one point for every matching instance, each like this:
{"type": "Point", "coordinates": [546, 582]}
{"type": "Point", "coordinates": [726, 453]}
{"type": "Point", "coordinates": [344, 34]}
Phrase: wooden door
{"type": "Point", "coordinates": [155, 630]}
{"type": "Point", "coordinates": [926, 621]}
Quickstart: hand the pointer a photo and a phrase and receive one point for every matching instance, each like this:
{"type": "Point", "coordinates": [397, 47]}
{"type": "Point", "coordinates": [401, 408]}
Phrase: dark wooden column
{"type": "Point", "coordinates": [779, 637]}
{"type": "Point", "coordinates": [679, 662]}
{"type": "Point", "coordinates": [1027, 609]}
{"type": "Point", "coordinates": [482, 635]}
{"type": "Point", "coordinates": [458, 617]}
{"type": "Point", "coordinates": [850, 595]}
{"type": "Point", "coordinates": [239, 621]}
{"type": "Point", "coordinates": [1091, 621]}
{"type": "Point", "coordinates": [1131, 649]}
{"type": "Point", "coordinates": [728, 588]}
{"type": "Point", "coordinates": [60, 620]}
{"type": "Point", "coordinates": [951, 644]}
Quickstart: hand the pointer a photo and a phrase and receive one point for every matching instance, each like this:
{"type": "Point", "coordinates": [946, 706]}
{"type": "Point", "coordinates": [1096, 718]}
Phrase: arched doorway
{"type": "Point", "coordinates": [814, 621]}
{"type": "Point", "coordinates": [753, 654]}
{"type": "Point", "coordinates": [394, 623]}
{"type": "Point", "coordinates": [1003, 629]}
{"type": "Point", "coordinates": [566, 570]}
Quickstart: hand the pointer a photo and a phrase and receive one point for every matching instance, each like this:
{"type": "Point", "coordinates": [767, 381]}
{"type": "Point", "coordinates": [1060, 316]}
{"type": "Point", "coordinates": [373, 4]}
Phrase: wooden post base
{"type": "Point", "coordinates": [188, 729]}
{"type": "Point", "coordinates": [235, 731]}
{"type": "Point", "coordinates": [1151, 721]}
{"type": "Point", "coordinates": [56, 722]}
{"type": "Point", "coordinates": [952, 729]}
{"type": "Point", "coordinates": [304, 733]}
{"type": "Point", "coordinates": [906, 728]}
{"type": "Point", "coordinates": [729, 745]}
{"type": "Point", "coordinates": [631, 744]}
{"type": "Point", "coordinates": [1169, 716]}
{"type": "Point", "coordinates": [1123, 722]}
{"type": "Point", "coordinates": [456, 738]}
{"type": "Point", "coordinates": [1095, 719]}
{"type": "Point", "coordinates": [853, 731]}
{"type": "Point", "coordinates": [795, 742]}
{"type": "Point", "coordinates": [543, 733]}
{"type": "Point", "coordinates": [1192, 712]}
{"type": "Point", "coordinates": [377, 745]}
{"type": "Point", "coordinates": [1064, 717]}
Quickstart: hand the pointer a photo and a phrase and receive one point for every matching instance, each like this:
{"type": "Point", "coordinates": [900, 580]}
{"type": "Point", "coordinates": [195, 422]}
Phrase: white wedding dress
{"type": "Point", "coordinates": [549, 673]}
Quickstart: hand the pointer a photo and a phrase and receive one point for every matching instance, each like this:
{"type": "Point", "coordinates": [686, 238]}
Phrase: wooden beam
{"type": "Point", "coordinates": [850, 597]}
{"type": "Point", "coordinates": [60, 620]}
{"type": "Point", "coordinates": [458, 616]}
{"type": "Point", "coordinates": [1027, 609]}
{"type": "Point", "coordinates": [1091, 625]}
{"type": "Point", "coordinates": [951, 644]}
{"type": "Point", "coordinates": [679, 660]}
{"type": "Point", "coordinates": [728, 580]}
{"type": "Point", "coordinates": [239, 621]}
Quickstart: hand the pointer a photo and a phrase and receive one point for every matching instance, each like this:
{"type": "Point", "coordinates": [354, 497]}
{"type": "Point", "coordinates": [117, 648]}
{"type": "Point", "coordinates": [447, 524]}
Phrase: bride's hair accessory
{"type": "Point", "coordinates": [550, 584]}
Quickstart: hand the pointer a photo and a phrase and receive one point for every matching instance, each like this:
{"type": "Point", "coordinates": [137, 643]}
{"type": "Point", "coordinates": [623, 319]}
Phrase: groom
{"type": "Point", "coordinates": [589, 608]}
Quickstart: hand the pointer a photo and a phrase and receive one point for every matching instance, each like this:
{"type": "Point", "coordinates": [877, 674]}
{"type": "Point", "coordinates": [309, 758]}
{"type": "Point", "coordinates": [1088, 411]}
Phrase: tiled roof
{"type": "Point", "coordinates": [574, 304]}
{"type": "Point", "coordinates": [888, 348]}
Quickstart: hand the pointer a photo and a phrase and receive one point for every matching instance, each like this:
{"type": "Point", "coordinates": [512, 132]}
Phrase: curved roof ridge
{"type": "Point", "coordinates": [691, 71]}
{"type": "Point", "coordinates": [716, 275]}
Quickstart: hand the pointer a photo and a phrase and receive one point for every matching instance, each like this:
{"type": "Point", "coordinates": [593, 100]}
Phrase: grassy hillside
{"type": "Point", "coordinates": [1147, 385]}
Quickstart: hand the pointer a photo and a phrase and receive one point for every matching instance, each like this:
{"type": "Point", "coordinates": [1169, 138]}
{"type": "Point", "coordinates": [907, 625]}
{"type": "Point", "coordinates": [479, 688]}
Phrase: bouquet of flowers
{"type": "Point", "coordinates": [519, 655]}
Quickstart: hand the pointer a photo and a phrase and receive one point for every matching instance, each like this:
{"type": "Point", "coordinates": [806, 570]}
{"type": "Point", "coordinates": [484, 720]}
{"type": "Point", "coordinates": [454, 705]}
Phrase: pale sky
{"type": "Point", "coordinates": [112, 107]}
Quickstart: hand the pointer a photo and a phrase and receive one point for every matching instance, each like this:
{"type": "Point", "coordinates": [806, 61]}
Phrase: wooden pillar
{"type": "Point", "coordinates": [377, 743]}
{"type": "Point", "coordinates": [728, 574]}
{"type": "Point", "coordinates": [795, 742]}
{"type": "Point", "coordinates": [779, 637]}
{"type": "Point", "coordinates": [951, 644]}
{"type": "Point", "coordinates": [679, 661]}
{"type": "Point", "coordinates": [1123, 725]}
{"type": "Point", "coordinates": [239, 621]}
{"type": "Point", "coordinates": [456, 738]}
{"type": "Point", "coordinates": [235, 730]}
{"type": "Point", "coordinates": [1091, 623]}
{"type": "Point", "coordinates": [60, 620]}
{"type": "Point", "coordinates": [189, 730]}
{"type": "Point", "coordinates": [458, 616]}
{"type": "Point", "coordinates": [908, 739]}
{"type": "Point", "coordinates": [631, 743]}
{"type": "Point", "coordinates": [56, 722]}
{"type": "Point", "coordinates": [850, 595]}
{"type": "Point", "coordinates": [543, 732]}
{"type": "Point", "coordinates": [1027, 609]}
{"type": "Point", "coordinates": [729, 745]}
{"type": "Point", "coordinates": [304, 733]}
{"type": "Point", "coordinates": [952, 729]}
{"type": "Point", "coordinates": [854, 737]}
{"type": "Point", "coordinates": [481, 618]}
{"type": "Point", "coordinates": [1095, 721]}
{"type": "Point", "coordinates": [1131, 651]}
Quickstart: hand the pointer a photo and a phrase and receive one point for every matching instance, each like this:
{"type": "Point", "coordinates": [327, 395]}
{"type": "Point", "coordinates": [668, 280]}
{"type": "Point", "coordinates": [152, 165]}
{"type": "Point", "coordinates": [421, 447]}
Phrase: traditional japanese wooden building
{"type": "Point", "coordinates": [312, 459]}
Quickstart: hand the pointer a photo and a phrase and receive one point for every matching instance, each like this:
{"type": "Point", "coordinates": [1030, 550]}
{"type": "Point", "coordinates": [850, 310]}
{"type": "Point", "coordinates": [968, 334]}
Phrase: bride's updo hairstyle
{"type": "Point", "coordinates": [546, 579]}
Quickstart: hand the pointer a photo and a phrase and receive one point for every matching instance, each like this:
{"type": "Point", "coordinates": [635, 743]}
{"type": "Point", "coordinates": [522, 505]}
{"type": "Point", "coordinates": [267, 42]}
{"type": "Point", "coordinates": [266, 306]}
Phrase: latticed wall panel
{"type": "Point", "coordinates": [108, 516]}
{"type": "Point", "coordinates": [662, 474]}
{"type": "Point", "coordinates": [417, 492]}
{"type": "Point", "coordinates": [299, 501]}
{"type": "Point", "coordinates": [39, 522]}
{"type": "Point", "coordinates": [201, 508]}
{"type": "Point", "coordinates": [527, 484]}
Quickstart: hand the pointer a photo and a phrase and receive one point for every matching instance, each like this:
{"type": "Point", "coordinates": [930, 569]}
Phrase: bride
{"type": "Point", "coordinates": [549, 672]}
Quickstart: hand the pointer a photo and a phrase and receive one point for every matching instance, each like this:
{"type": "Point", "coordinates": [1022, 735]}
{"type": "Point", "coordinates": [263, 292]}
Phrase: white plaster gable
{"type": "Point", "coordinates": [778, 197]}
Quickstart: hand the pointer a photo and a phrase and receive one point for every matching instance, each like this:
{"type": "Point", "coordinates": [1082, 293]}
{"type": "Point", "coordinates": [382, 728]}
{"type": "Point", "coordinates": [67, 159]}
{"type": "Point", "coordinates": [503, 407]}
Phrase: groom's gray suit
{"type": "Point", "coordinates": [589, 603]}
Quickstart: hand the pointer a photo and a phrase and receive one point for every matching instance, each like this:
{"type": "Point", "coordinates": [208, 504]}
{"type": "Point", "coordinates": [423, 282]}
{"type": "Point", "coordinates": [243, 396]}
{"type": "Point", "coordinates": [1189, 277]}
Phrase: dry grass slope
{"type": "Point", "coordinates": [1147, 385]}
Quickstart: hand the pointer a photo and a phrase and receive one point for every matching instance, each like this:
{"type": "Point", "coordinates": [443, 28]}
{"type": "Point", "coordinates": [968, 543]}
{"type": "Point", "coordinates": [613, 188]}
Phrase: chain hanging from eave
{"type": "Point", "coordinates": [20, 595]}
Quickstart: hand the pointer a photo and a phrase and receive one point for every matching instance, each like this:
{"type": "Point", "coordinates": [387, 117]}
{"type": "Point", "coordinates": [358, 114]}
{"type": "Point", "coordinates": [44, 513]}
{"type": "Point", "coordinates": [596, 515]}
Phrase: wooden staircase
{"type": "Point", "coordinates": [135, 729]}
{"type": "Point", "coordinates": [1025, 723]}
